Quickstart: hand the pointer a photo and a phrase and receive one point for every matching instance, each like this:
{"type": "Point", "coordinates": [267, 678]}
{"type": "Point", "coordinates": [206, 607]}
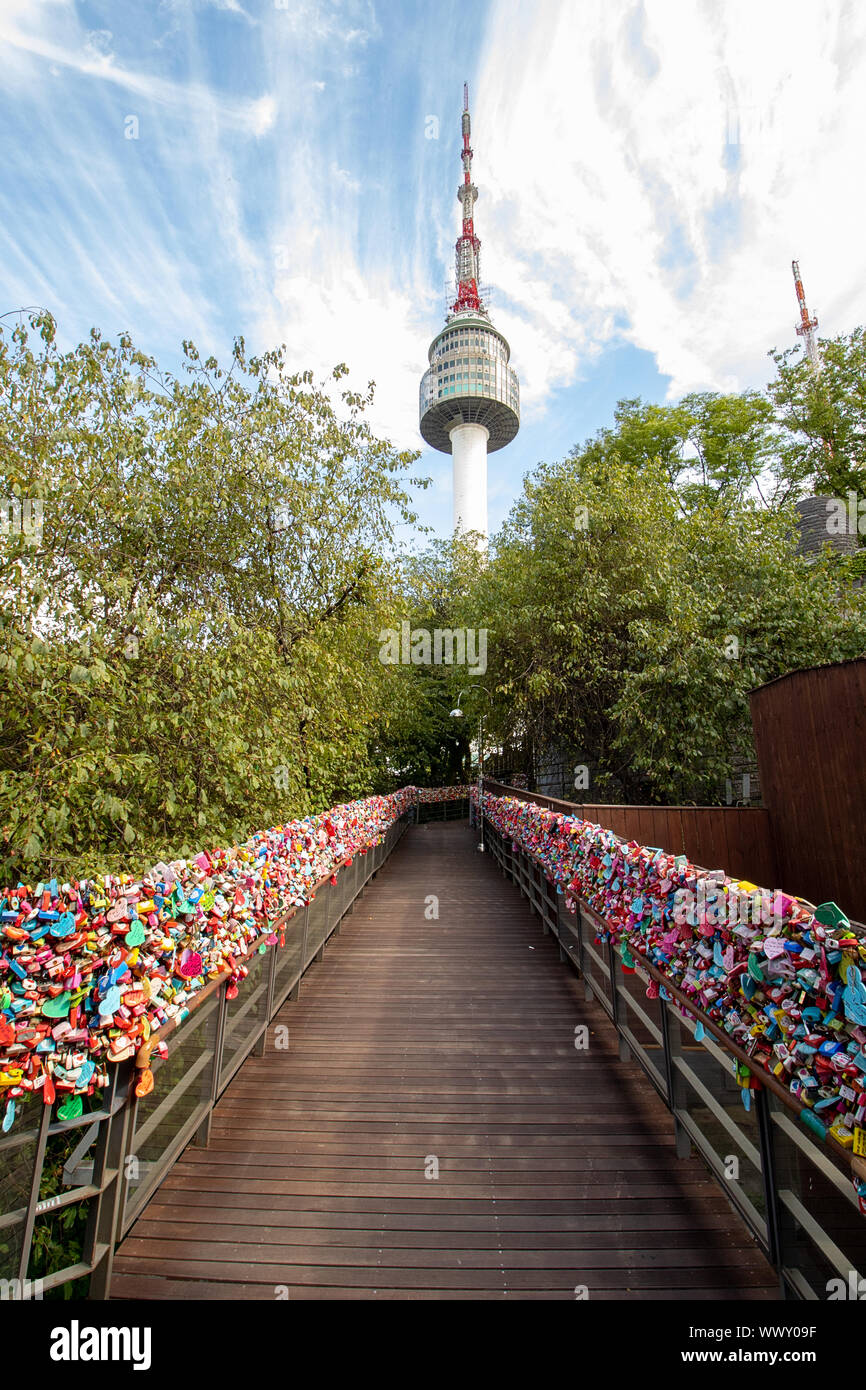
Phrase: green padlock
{"type": "Point", "coordinates": [59, 1007]}
{"type": "Point", "coordinates": [830, 915]}
{"type": "Point", "coordinates": [136, 934]}
{"type": "Point", "coordinates": [754, 968]}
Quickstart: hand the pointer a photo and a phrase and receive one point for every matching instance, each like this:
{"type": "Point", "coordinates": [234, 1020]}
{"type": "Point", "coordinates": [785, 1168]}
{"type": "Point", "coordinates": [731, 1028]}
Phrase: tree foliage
{"type": "Point", "coordinates": [822, 420]}
{"type": "Point", "coordinates": [425, 746]}
{"type": "Point", "coordinates": [188, 647]}
{"type": "Point", "coordinates": [642, 587]}
{"type": "Point", "coordinates": [628, 628]}
{"type": "Point", "coordinates": [190, 638]}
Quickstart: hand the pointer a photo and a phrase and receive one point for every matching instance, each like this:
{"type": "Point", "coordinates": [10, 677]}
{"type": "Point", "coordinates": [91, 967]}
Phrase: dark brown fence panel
{"type": "Point", "coordinates": [671, 830]}
{"type": "Point", "coordinates": [734, 838]}
{"type": "Point", "coordinates": [810, 737]}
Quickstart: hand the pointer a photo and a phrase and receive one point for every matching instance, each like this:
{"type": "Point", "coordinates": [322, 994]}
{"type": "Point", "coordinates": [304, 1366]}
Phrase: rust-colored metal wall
{"type": "Point", "coordinates": [734, 838]}
{"type": "Point", "coordinates": [810, 737]}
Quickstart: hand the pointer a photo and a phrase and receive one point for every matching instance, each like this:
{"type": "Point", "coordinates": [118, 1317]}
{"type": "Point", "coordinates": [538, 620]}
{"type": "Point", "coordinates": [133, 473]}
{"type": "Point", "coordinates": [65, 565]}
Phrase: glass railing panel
{"type": "Point", "coordinates": [707, 1092]}
{"type": "Point", "coordinates": [17, 1157]}
{"type": "Point", "coordinates": [823, 1235]}
{"type": "Point", "coordinates": [641, 1022]}
{"type": "Point", "coordinates": [182, 1090]}
{"type": "Point", "coordinates": [246, 1015]}
{"type": "Point", "coordinates": [595, 962]}
{"type": "Point", "coordinates": [318, 921]}
{"type": "Point", "coordinates": [288, 967]}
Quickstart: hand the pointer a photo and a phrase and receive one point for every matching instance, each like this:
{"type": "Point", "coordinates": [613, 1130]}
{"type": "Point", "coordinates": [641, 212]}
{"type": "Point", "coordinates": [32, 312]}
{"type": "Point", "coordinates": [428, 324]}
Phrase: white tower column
{"type": "Point", "coordinates": [469, 455]}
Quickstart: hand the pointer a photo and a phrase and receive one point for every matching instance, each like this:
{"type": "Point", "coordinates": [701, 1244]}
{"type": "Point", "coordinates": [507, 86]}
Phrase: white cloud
{"type": "Point", "coordinates": [97, 44]}
{"type": "Point", "coordinates": [368, 323]}
{"type": "Point", "coordinates": [609, 210]}
{"type": "Point", "coordinates": [613, 201]}
{"type": "Point", "coordinates": [91, 57]}
{"type": "Point", "coordinates": [229, 6]}
{"type": "Point", "coordinates": [345, 178]}
{"type": "Point", "coordinates": [232, 6]}
{"type": "Point", "coordinates": [314, 22]}
{"type": "Point", "coordinates": [263, 114]}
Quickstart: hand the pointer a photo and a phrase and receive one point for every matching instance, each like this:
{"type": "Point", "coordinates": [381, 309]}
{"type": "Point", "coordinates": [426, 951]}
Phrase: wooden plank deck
{"type": "Point", "coordinates": [451, 1040]}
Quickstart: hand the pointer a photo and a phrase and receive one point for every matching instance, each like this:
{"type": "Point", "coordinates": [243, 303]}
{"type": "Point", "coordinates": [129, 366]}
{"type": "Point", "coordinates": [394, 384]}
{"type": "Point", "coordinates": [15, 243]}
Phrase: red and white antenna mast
{"type": "Point", "coordinates": [468, 245]}
{"type": "Point", "coordinates": [469, 402]}
{"type": "Point", "coordinates": [806, 327]}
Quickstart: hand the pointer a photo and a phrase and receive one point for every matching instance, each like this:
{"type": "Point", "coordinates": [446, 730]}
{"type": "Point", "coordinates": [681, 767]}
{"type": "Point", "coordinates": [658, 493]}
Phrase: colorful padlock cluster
{"type": "Point", "coordinates": [781, 978]}
{"type": "Point", "coordinates": [91, 970]}
{"type": "Point", "coordinates": [442, 793]}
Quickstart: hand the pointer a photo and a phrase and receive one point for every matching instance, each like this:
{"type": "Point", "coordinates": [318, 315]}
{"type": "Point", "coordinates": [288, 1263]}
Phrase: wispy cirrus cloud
{"type": "Point", "coordinates": [91, 56]}
{"type": "Point", "coordinates": [653, 170]}
{"type": "Point", "coordinates": [204, 168]}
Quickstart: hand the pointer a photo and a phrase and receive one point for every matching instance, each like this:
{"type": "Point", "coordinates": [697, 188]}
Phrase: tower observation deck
{"type": "Point", "coordinates": [470, 395]}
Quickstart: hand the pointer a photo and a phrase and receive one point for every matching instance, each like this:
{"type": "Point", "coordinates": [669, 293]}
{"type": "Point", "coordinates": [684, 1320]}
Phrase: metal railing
{"type": "Point", "coordinates": [442, 810]}
{"type": "Point", "coordinates": [127, 1145]}
{"type": "Point", "coordinates": [794, 1193]}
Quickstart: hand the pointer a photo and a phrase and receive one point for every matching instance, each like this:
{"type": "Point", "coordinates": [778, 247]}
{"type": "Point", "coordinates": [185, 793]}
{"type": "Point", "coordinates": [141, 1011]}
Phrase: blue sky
{"type": "Point", "coordinates": [646, 173]}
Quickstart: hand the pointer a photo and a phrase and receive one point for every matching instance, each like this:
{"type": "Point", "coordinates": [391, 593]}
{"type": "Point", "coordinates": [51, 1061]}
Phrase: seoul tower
{"type": "Point", "coordinates": [470, 396]}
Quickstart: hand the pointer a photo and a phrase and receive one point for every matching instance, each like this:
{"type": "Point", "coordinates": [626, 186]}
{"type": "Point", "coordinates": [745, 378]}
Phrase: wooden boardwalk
{"type": "Point", "coordinates": [450, 1042]}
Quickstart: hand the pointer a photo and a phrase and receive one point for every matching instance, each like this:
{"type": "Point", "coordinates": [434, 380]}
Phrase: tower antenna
{"type": "Point", "coordinates": [806, 327]}
{"type": "Point", "coordinates": [466, 259]}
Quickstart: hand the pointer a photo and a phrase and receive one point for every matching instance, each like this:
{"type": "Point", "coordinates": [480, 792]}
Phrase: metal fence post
{"type": "Point", "coordinates": [683, 1142]}
{"type": "Point", "coordinates": [768, 1176]}
{"type": "Point", "coordinates": [612, 959]}
{"type": "Point", "coordinates": [583, 924]}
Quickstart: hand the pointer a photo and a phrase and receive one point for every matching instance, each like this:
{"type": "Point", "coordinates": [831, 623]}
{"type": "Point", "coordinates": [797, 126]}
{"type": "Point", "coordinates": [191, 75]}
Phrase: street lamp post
{"type": "Point", "coordinates": [457, 713]}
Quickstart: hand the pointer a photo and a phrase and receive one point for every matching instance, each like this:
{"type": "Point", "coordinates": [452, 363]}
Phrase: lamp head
{"type": "Point", "coordinates": [457, 714]}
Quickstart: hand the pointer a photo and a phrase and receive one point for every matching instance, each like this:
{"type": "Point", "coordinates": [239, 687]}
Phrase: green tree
{"type": "Point", "coordinates": [425, 746]}
{"type": "Point", "coordinates": [188, 645]}
{"type": "Point", "coordinates": [714, 448]}
{"type": "Point", "coordinates": [822, 420]}
{"type": "Point", "coordinates": [628, 629]}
